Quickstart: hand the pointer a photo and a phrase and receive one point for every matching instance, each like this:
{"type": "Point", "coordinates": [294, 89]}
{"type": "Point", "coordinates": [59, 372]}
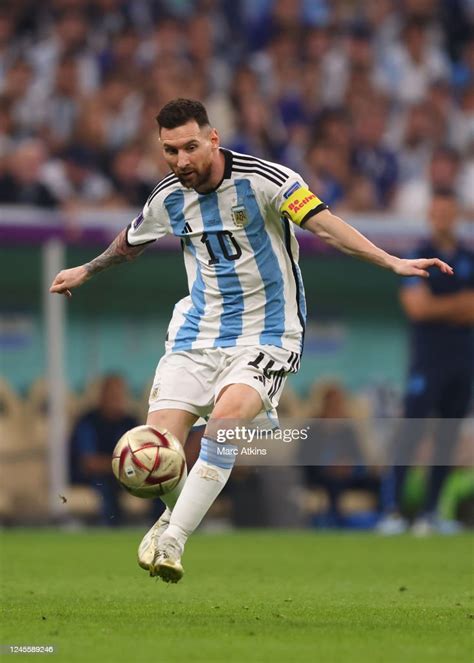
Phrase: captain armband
{"type": "Point", "coordinates": [301, 204]}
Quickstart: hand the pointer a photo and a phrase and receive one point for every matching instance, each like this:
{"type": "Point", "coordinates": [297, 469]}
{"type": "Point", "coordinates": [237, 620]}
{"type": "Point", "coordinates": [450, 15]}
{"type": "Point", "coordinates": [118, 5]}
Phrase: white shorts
{"type": "Point", "coordinates": [192, 380]}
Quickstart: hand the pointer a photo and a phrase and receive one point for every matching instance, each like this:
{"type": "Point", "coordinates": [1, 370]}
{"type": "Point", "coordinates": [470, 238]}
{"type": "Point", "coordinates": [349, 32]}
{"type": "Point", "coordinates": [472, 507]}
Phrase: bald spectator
{"type": "Point", "coordinates": [22, 183]}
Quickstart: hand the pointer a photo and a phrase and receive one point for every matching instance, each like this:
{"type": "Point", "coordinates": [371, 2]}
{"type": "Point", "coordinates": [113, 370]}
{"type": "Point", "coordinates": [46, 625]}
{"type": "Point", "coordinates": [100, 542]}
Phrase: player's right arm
{"type": "Point", "coordinates": [148, 226]}
{"type": "Point", "coordinates": [119, 251]}
{"type": "Point", "coordinates": [420, 305]}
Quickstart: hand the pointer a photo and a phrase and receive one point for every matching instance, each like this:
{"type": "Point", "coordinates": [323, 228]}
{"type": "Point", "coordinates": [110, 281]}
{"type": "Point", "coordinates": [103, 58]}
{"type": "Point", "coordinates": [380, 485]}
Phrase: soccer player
{"type": "Point", "coordinates": [232, 342]}
{"type": "Point", "coordinates": [441, 372]}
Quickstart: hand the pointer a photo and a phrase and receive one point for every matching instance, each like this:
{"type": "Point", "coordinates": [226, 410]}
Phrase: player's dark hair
{"type": "Point", "coordinates": [180, 111]}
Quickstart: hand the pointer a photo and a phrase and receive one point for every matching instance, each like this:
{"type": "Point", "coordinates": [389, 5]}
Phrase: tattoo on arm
{"type": "Point", "coordinates": [119, 251]}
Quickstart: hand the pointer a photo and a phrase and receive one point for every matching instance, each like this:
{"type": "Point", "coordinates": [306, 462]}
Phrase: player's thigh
{"type": "Point", "coordinates": [237, 401]}
{"type": "Point", "coordinates": [263, 369]}
{"type": "Point", "coordinates": [178, 422]}
{"type": "Point", "coordinates": [184, 381]}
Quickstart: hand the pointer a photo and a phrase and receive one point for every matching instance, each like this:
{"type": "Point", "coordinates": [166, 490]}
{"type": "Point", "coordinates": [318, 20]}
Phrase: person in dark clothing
{"type": "Point", "coordinates": [341, 463]}
{"type": "Point", "coordinates": [21, 184]}
{"type": "Point", "coordinates": [441, 371]}
{"type": "Point", "coordinates": [93, 440]}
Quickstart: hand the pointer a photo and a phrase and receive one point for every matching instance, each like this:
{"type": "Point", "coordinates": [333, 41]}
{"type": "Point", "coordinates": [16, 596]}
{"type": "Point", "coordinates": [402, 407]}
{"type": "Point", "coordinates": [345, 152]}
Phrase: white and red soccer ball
{"type": "Point", "coordinates": [148, 461]}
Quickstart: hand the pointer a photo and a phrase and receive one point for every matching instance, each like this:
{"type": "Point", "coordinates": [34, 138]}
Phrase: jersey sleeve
{"type": "Point", "coordinates": [151, 224]}
{"type": "Point", "coordinates": [296, 201]}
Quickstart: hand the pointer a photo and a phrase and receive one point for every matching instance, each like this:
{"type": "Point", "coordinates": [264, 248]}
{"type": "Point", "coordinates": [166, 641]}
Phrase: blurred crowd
{"type": "Point", "coordinates": [344, 488]}
{"type": "Point", "coordinates": [373, 102]}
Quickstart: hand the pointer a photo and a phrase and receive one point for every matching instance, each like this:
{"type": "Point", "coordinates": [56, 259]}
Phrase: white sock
{"type": "Point", "coordinates": [204, 483]}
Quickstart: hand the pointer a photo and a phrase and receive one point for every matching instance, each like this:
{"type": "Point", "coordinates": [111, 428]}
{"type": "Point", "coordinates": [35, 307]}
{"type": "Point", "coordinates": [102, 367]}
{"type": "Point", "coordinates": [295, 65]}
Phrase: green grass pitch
{"type": "Point", "coordinates": [246, 596]}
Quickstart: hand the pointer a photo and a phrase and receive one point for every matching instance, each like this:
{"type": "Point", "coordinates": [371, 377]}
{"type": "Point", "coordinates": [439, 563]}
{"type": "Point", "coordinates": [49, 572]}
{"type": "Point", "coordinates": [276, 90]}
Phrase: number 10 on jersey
{"type": "Point", "coordinates": [224, 246]}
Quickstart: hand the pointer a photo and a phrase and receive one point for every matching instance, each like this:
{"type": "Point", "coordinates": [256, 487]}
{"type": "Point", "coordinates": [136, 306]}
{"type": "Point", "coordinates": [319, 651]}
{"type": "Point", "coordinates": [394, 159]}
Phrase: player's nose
{"type": "Point", "coordinates": [183, 160]}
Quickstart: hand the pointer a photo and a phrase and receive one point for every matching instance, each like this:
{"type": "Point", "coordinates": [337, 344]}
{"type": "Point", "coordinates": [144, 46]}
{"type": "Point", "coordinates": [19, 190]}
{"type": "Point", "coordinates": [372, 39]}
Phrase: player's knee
{"type": "Point", "coordinates": [238, 409]}
{"type": "Point", "coordinates": [238, 401]}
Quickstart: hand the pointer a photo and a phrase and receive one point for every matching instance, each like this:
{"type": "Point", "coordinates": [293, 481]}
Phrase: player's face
{"type": "Point", "coordinates": [443, 213]}
{"type": "Point", "coordinates": [190, 151]}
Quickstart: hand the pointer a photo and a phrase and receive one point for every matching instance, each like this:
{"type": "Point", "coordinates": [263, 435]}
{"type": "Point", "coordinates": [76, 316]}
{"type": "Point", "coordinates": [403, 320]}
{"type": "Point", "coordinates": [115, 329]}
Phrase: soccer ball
{"type": "Point", "coordinates": [148, 461]}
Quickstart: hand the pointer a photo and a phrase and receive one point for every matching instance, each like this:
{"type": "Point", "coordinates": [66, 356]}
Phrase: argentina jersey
{"type": "Point", "coordinates": [240, 253]}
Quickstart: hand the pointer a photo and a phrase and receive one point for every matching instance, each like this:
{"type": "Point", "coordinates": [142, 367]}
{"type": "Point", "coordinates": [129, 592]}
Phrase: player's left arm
{"type": "Point", "coordinates": [347, 239]}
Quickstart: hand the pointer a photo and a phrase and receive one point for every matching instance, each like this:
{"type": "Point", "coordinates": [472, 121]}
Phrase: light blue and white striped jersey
{"type": "Point", "coordinates": [240, 253]}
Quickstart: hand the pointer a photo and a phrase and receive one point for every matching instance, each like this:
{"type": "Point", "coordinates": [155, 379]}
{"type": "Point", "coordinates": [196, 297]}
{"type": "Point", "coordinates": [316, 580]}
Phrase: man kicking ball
{"type": "Point", "coordinates": [234, 339]}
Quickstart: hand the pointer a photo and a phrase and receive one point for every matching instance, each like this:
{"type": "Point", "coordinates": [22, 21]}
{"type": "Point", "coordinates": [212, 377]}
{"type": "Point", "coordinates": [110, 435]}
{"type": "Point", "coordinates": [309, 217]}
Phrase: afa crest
{"type": "Point", "coordinates": [239, 215]}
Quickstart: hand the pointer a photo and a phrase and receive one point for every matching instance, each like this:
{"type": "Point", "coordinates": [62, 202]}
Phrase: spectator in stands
{"type": "Point", "coordinates": [200, 46]}
{"type": "Point", "coordinates": [413, 197]}
{"type": "Point", "coordinates": [109, 19]}
{"type": "Point", "coordinates": [26, 96]}
{"type": "Point", "coordinates": [122, 55]}
{"type": "Point", "coordinates": [360, 196]}
{"type": "Point", "coordinates": [95, 75]}
{"type": "Point", "coordinates": [384, 20]}
{"type": "Point", "coordinates": [166, 42]}
{"type": "Point", "coordinates": [462, 126]}
{"type": "Point", "coordinates": [418, 138]}
{"type": "Point", "coordinates": [463, 69]}
{"type": "Point", "coordinates": [23, 182]}
{"type": "Point", "coordinates": [324, 67]}
{"type": "Point", "coordinates": [9, 48]}
{"type": "Point", "coordinates": [63, 105]}
{"type": "Point", "coordinates": [410, 65]}
{"type": "Point", "coordinates": [359, 70]}
{"type": "Point", "coordinates": [92, 443]}
{"type": "Point", "coordinates": [333, 458]}
{"type": "Point", "coordinates": [110, 117]}
{"type": "Point", "coordinates": [281, 15]}
{"type": "Point", "coordinates": [328, 170]}
{"type": "Point", "coordinates": [7, 128]}
{"type": "Point", "coordinates": [75, 180]}
{"type": "Point", "coordinates": [258, 132]}
{"type": "Point", "coordinates": [276, 65]}
{"type": "Point", "coordinates": [67, 35]}
{"type": "Point", "coordinates": [370, 157]}
{"type": "Point", "coordinates": [440, 311]}
{"type": "Point", "coordinates": [131, 188]}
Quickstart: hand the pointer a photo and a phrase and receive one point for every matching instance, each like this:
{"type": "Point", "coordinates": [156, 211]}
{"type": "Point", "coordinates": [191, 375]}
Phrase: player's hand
{"type": "Point", "coordinates": [68, 279]}
{"type": "Point", "coordinates": [420, 266]}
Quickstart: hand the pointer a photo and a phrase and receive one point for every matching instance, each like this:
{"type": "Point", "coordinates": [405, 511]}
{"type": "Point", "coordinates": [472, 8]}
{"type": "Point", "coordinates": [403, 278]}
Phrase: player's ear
{"type": "Point", "coordinates": [214, 138]}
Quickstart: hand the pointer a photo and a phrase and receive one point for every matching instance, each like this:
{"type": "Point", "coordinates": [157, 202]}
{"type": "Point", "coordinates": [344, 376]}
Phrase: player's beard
{"type": "Point", "coordinates": [199, 179]}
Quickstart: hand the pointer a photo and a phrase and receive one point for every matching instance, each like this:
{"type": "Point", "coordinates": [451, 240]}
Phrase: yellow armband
{"type": "Point", "coordinates": [299, 204]}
